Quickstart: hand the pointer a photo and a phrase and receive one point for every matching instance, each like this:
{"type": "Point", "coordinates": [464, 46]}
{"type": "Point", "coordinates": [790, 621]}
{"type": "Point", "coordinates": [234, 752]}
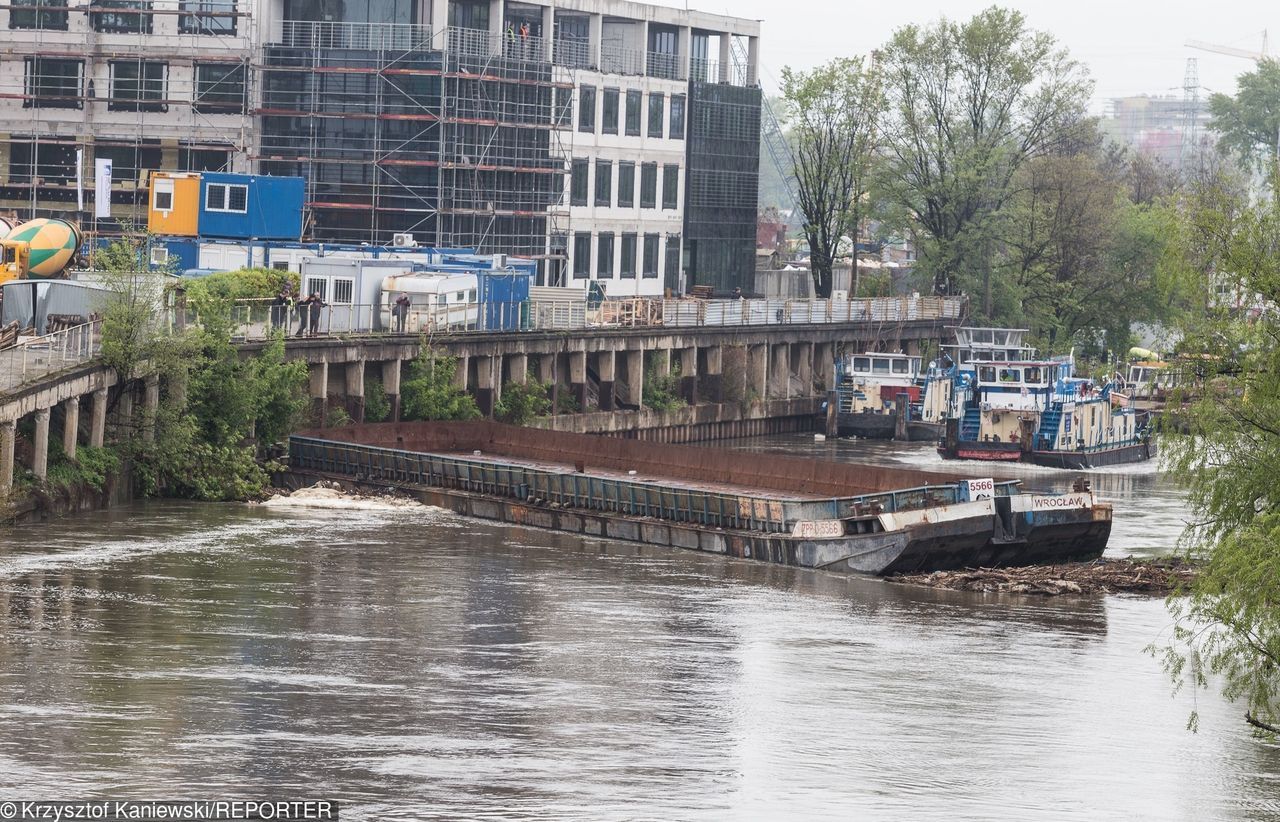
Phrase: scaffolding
{"type": "Point", "coordinates": [174, 98]}
{"type": "Point", "coordinates": [453, 137]}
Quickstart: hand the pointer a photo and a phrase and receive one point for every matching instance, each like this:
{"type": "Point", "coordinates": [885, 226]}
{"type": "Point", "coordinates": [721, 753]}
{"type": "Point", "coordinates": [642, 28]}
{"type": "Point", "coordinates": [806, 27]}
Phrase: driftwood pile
{"type": "Point", "coordinates": [1103, 576]}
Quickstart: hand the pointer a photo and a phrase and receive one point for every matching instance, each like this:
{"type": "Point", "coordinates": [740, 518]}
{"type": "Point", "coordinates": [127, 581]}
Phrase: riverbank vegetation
{"type": "Point", "coordinates": [217, 411]}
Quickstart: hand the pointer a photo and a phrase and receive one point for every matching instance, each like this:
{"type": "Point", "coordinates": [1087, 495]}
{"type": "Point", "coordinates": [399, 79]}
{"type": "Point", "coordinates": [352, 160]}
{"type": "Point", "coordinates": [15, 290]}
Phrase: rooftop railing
{"type": "Point", "coordinates": [364, 36]}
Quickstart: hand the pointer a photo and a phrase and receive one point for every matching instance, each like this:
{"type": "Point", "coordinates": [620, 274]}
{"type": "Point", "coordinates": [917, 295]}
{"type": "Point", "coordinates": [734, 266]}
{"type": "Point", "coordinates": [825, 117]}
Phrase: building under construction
{"type": "Point", "coordinates": [611, 140]}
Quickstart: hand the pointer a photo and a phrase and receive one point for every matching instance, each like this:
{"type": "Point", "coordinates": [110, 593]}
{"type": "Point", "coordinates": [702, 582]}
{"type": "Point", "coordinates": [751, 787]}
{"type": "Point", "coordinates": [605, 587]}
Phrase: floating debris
{"type": "Point", "coordinates": [1103, 576]}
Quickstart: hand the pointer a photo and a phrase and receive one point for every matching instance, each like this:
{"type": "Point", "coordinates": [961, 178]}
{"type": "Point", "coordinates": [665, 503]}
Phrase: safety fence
{"type": "Point", "coordinates": [35, 357]}
{"type": "Point", "coordinates": [258, 319]}
{"type": "Point", "coordinates": [663, 498]}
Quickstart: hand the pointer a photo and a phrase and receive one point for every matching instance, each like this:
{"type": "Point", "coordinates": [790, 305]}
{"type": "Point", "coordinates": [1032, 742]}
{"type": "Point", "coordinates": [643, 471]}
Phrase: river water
{"type": "Point", "coordinates": [414, 664]}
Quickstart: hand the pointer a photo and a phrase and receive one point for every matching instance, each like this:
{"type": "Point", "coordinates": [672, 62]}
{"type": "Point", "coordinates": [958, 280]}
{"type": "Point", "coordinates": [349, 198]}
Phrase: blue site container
{"type": "Point", "coordinates": [250, 206]}
{"type": "Point", "coordinates": [503, 296]}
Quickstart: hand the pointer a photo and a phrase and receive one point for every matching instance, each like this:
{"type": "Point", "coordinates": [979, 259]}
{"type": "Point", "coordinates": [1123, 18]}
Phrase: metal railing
{"type": "Point", "coordinates": [366, 36]}
{"type": "Point", "coordinates": [35, 357]}
{"type": "Point", "coordinates": [619, 60]}
{"type": "Point", "coordinates": [257, 319]}
{"type": "Point", "coordinates": [666, 66]}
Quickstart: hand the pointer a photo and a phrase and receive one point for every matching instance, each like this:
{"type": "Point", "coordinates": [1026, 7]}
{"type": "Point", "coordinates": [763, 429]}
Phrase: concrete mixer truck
{"type": "Point", "coordinates": [38, 249]}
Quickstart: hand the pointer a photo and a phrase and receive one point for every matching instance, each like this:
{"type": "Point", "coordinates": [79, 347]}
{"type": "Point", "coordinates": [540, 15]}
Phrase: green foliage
{"type": "Point", "coordinates": [520, 404]}
{"type": "Point", "coordinates": [217, 409]}
{"type": "Point", "coordinates": [225, 287]}
{"type": "Point", "coordinates": [1228, 629]}
{"type": "Point", "coordinates": [91, 467]}
{"type": "Point", "coordinates": [377, 408]}
{"type": "Point", "coordinates": [833, 113]}
{"type": "Point", "coordinates": [1248, 124]}
{"type": "Point", "coordinates": [428, 393]}
{"type": "Point", "coordinates": [567, 403]}
{"type": "Point", "coordinates": [968, 105]}
{"type": "Point", "coordinates": [662, 390]}
{"type": "Point", "coordinates": [130, 317]}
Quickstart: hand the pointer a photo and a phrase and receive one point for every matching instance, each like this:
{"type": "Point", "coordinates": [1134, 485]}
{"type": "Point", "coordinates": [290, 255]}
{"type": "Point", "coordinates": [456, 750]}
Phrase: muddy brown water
{"type": "Point", "coordinates": [417, 665]}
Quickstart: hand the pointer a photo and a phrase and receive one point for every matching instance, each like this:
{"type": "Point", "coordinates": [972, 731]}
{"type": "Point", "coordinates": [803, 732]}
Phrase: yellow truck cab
{"type": "Point", "coordinates": [14, 257]}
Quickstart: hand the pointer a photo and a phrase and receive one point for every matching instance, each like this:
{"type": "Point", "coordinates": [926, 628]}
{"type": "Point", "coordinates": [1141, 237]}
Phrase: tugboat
{"type": "Point", "coordinates": [868, 387]}
{"type": "Point", "coordinates": [1037, 411]}
{"type": "Point", "coordinates": [958, 364]}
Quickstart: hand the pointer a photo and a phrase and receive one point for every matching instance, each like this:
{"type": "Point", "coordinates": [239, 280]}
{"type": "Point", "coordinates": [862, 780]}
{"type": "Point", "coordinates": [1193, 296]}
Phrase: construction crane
{"type": "Point", "coordinates": [1232, 51]}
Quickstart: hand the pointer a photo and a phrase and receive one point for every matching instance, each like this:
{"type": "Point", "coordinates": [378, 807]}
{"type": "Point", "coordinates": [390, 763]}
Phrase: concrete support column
{"type": "Point", "coordinates": [662, 361]}
{"type": "Point", "coordinates": [461, 372]}
{"type": "Point", "coordinates": [150, 407]}
{"type": "Point", "coordinates": [802, 365]}
{"type": "Point", "coordinates": [354, 384]}
{"type": "Point", "coordinates": [124, 412]}
{"type": "Point", "coordinates": [98, 425]}
{"type": "Point", "coordinates": [8, 436]}
{"type": "Point", "coordinates": [391, 386]}
{"type": "Point", "coordinates": [753, 61]}
{"type": "Point", "coordinates": [484, 384]}
{"type": "Point", "coordinates": [758, 370]}
{"type": "Point", "coordinates": [70, 426]}
{"type": "Point", "coordinates": [548, 32]}
{"type": "Point", "coordinates": [518, 369]}
{"type": "Point", "coordinates": [596, 34]}
{"type": "Point", "coordinates": [780, 372]}
{"type": "Point", "coordinates": [689, 375]}
{"type": "Point", "coordinates": [712, 376]}
{"type": "Point", "coordinates": [319, 390]}
{"type": "Point", "coordinates": [725, 39]}
{"type": "Point", "coordinates": [547, 376]}
{"type": "Point", "coordinates": [824, 359]}
{"type": "Point", "coordinates": [606, 368]}
{"type": "Point", "coordinates": [635, 378]}
{"type": "Point", "coordinates": [578, 378]}
{"type": "Point", "coordinates": [684, 49]}
{"type": "Point", "coordinates": [40, 448]}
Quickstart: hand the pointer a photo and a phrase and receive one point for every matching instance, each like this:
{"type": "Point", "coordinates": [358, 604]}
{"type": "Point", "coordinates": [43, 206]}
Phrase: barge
{"type": "Point", "coordinates": [787, 510]}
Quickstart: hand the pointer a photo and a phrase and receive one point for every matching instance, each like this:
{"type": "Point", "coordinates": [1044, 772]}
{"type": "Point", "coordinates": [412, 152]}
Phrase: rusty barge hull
{"type": "Point", "coordinates": [775, 509]}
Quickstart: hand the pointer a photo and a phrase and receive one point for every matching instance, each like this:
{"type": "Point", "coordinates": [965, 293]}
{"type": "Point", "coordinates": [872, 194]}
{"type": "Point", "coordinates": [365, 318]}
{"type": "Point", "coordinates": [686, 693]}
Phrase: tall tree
{"type": "Point", "coordinates": [1248, 124]}
{"type": "Point", "coordinates": [968, 104]}
{"type": "Point", "coordinates": [1228, 629]}
{"type": "Point", "coordinates": [833, 113]}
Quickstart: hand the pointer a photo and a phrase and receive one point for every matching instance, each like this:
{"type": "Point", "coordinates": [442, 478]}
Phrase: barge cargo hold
{"type": "Point", "coordinates": [792, 511]}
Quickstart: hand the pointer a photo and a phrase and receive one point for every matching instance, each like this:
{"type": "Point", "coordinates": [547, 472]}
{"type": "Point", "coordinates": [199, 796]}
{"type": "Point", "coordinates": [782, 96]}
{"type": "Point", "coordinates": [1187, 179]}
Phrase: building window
{"type": "Point", "coordinates": [670, 187]}
{"type": "Point", "coordinates": [671, 267]}
{"type": "Point", "coordinates": [581, 255]}
{"type": "Point", "coordinates": [604, 257]}
{"type": "Point", "coordinates": [343, 289]}
{"type": "Point", "coordinates": [223, 197]}
{"type": "Point", "coordinates": [587, 109]}
{"type": "Point", "coordinates": [53, 83]}
{"type": "Point", "coordinates": [626, 185]}
{"type": "Point", "coordinates": [563, 114]}
{"type": "Point", "coordinates": [649, 185]}
{"type": "Point", "coordinates": [634, 101]}
{"type": "Point", "coordinates": [163, 195]}
{"type": "Point", "coordinates": [207, 17]}
{"type": "Point", "coordinates": [469, 14]}
{"type": "Point", "coordinates": [628, 256]}
{"type": "Point", "coordinates": [657, 106]}
{"type": "Point", "coordinates": [111, 16]}
{"type": "Point", "coordinates": [578, 183]}
{"type": "Point", "coordinates": [194, 158]}
{"type": "Point", "coordinates": [609, 112]}
{"type": "Point", "coordinates": [138, 86]}
{"type": "Point", "coordinates": [220, 88]}
{"type": "Point", "coordinates": [650, 256]}
{"type": "Point", "coordinates": [51, 162]}
{"type": "Point", "coordinates": [676, 127]}
{"type": "Point", "coordinates": [604, 183]}
{"type": "Point", "coordinates": [47, 15]}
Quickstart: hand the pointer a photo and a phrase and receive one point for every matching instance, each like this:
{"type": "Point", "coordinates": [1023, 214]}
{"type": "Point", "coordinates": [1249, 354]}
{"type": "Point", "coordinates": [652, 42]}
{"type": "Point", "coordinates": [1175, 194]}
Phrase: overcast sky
{"type": "Point", "coordinates": [1130, 46]}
